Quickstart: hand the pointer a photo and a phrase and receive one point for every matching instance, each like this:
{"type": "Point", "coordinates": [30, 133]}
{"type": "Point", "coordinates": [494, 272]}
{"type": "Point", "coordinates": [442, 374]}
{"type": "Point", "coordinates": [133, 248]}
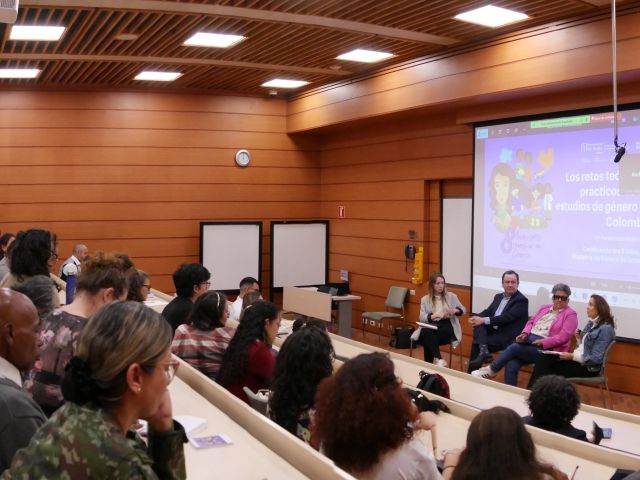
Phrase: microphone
{"type": "Point", "coordinates": [620, 150]}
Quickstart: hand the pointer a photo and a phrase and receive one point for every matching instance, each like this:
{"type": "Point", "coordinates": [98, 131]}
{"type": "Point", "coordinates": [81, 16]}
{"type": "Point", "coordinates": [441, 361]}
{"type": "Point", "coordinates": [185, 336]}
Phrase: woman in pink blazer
{"type": "Point", "coordinates": [551, 328]}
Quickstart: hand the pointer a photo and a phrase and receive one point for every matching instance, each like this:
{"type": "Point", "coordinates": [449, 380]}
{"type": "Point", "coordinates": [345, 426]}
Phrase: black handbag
{"type": "Point", "coordinates": [401, 337]}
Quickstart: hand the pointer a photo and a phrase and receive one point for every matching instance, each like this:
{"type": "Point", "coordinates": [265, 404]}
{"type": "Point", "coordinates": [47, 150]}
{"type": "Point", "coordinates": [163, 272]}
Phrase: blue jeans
{"type": "Point", "coordinates": [515, 356]}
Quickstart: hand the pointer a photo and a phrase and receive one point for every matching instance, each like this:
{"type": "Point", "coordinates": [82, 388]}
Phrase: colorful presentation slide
{"type": "Point", "coordinates": [550, 203]}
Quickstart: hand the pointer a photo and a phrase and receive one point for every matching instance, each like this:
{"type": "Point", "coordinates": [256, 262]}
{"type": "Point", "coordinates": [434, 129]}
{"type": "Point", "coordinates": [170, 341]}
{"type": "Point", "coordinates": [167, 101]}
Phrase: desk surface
{"type": "Point", "coordinates": [483, 394]}
{"type": "Point", "coordinates": [246, 458]}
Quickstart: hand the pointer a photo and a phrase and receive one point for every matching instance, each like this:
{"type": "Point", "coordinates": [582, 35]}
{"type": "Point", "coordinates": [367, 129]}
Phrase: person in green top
{"type": "Point", "coordinates": [120, 373]}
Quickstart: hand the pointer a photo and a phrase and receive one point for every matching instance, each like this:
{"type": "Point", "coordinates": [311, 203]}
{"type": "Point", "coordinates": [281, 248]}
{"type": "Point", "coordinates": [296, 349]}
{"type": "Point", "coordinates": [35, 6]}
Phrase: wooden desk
{"type": "Point", "coordinates": [318, 305]}
{"type": "Point", "coordinates": [246, 458]}
{"type": "Point", "coordinates": [345, 308]}
{"type": "Point", "coordinates": [483, 394]}
{"type": "Point", "coordinates": [281, 443]}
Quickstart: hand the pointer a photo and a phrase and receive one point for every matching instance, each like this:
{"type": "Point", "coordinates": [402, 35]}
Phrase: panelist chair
{"type": "Point", "coordinates": [395, 299]}
{"type": "Point", "coordinates": [451, 349]}
{"type": "Point", "coordinates": [600, 379]}
{"type": "Point", "coordinates": [258, 401]}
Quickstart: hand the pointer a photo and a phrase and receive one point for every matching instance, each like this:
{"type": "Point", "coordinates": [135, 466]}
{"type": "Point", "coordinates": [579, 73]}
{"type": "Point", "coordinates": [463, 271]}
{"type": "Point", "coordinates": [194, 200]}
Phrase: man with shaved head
{"type": "Point", "coordinates": [73, 264]}
{"type": "Point", "coordinates": [20, 416]}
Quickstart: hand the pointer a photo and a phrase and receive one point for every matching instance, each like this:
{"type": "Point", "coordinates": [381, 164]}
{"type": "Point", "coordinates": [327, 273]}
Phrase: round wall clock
{"type": "Point", "coordinates": [243, 158]}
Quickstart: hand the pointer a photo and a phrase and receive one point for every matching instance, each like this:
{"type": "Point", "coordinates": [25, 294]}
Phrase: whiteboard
{"type": "Point", "coordinates": [456, 240]}
{"type": "Point", "coordinates": [231, 251]}
{"type": "Point", "coordinates": [299, 253]}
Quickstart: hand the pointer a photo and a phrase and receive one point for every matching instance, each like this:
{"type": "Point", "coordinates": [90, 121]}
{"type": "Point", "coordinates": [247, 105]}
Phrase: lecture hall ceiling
{"type": "Point", "coordinates": [295, 39]}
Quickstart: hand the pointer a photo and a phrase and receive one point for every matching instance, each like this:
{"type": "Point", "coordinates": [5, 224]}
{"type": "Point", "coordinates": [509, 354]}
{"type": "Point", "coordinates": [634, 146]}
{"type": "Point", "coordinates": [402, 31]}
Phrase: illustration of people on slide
{"type": "Point", "coordinates": [519, 197]}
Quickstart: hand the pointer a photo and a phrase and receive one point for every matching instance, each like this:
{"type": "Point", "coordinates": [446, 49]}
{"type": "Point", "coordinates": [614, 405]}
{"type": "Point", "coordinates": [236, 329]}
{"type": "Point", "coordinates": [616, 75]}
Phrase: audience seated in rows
{"type": "Point", "coordinates": [587, 359]}
{"type": "Point", "coordinates": [441, 309]}
{"type": "Point", "coordinates": [19, 337]}
{"type": "Point", "coordinates": [249, 360]}
{"type": "Point", "coordinates": [120, 374]}
{"type": "Point", "coordinates": [365, 422]}
{"type": "Point", "coordinates": [496, 327]}
{"type": "Point", "coordinates": [304, 360]}
{"type": "Point", "coordinates": [5, 242]}
{"type": "Point", "coordinates": [202, 341]}
{"type": "Point", "coordinates": [102, 280]}
{"type": "Point", "coordinates": [247, 284]}
{"type": "Point", "coordinates": [191, 280]}
{"type": "Point", "coordinates": [551, 328]}
{"type": "Point", "coordinates": [139, 286]}
{"type": "Point", "coordinates": [33, 252]}
{"type": "Point", "coordinates": [500, 448]}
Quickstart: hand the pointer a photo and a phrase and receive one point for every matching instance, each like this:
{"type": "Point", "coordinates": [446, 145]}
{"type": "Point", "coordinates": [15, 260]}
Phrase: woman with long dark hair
{"type": "Point", "coordinates": [500, 448]}
{"type": "Point", "coordinates": [304, 360]}
{"type": "Point", "coordinates": [202, 341]}
{"type": "Point", "coordinates": [587, 359]}
{"type": "Point", "coordinates": [365, 422]}
{"type": "Point", "coordinates": [249, 361]}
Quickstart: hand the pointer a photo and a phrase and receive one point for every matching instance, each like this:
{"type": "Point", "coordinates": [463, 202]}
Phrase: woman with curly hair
{"type": "Point", "coordinates": [249, 361]}
{"type": "Point", "coordinates": [103, 279]}
{"type": "Point", "coordinates": [202, 341]}
{"type": "Point", "coordinates": [587, 359]}
{"type": "Point", "coordinates": [305, 359]}
{"type": "Point", "coordinates": [500, 448]}
{"type": "Point", "coordinates": [554, 403]}
{"type": "Point", "coordinates": [365, 422]}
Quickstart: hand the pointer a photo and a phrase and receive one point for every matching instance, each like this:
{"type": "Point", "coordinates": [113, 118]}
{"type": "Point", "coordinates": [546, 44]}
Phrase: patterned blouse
{"type": "Point", "coordinates": [59, 338]}
{"type": "Point", "coordinates": [202, 349]}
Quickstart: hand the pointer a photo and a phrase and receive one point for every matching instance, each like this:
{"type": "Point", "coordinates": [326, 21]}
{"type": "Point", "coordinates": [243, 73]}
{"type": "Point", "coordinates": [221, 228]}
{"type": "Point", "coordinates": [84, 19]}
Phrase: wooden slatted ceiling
{"type": "Point", "coordinates": [89, 55]}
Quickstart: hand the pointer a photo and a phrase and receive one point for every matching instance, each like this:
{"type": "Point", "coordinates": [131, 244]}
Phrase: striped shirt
{"type": "Point", "coordinates": [202, 349]}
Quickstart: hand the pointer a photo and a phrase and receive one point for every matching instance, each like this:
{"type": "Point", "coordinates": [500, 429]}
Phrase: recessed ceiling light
{"type": "Point", "coordinates": [127, 37]}
{"type": "Point", "coordinates": [38, 33]}
{"type": "Point", "coordinates": [282, 83]}
{"type": "Point", "coordinates": [367, 56]}
{"type": "Point", "coordinates": [491, 16]}
{"type": "Point", "coordinates": [157, 76]}
{"type": "Point", "coordinates": [218, 40]}
{"type": "Point", "coordinates": [19, 72]}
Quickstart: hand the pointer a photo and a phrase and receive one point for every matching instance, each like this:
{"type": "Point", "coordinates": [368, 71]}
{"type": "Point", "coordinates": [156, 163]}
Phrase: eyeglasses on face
{"type": "Point", "coordinates": [561, 298]}
{"type": "Point", "coordinates": [208, 284]}
{"type": "Point", "coordinates": [170, 369]}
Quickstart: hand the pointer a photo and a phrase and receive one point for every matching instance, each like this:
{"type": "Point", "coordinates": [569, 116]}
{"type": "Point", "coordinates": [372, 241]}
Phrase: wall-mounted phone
{"type": "Point", "coordinates": [409, 254]}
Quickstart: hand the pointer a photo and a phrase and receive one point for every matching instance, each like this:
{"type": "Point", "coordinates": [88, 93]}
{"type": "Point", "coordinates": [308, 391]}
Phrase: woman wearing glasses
{"type": "Point", "coordinates": [103, 279]}
{"type": "Point", "coordinates": [139, 286]}
{"type": "Point", "coordinates": [587, 359]}
{"type": "Point", "coordinates": [551, 328]}
{"type": "Point", "coordinates": [120, 374]}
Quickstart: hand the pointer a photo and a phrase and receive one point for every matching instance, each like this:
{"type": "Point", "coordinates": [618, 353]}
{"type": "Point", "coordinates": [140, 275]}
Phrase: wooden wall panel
{"type": "Point", "coordinates": [137, 172]}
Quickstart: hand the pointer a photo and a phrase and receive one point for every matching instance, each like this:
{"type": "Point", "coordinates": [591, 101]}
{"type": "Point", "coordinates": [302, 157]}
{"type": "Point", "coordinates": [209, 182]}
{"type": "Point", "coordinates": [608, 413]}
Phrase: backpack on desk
{"type": "Point", "coordinates": [434, 383]}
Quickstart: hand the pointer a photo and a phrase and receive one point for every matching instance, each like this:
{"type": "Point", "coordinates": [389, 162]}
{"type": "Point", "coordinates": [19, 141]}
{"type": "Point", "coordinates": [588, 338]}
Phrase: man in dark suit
{"type": "Point", "coordinates": [497, 326]}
